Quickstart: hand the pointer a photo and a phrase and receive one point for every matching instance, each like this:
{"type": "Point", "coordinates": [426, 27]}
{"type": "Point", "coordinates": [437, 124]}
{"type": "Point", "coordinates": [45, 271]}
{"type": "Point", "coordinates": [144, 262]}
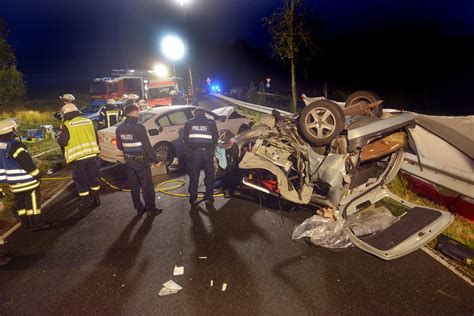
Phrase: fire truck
{"type": "Point", "coordinates": [165, 91]}
{"type": "Point", "coordinates": [157, 91]}
{"type": "Point", "coordinates": [121, 82]}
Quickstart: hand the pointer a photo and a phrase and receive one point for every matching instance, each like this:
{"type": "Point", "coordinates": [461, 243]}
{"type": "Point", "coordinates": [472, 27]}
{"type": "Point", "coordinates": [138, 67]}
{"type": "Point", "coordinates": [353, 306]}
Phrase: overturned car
{"type": "Point", "coordinates": [340, 157]}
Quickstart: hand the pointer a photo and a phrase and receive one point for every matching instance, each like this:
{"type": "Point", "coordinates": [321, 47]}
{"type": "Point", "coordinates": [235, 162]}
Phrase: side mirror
{"type": "Point", "coordinates": [154, 132]}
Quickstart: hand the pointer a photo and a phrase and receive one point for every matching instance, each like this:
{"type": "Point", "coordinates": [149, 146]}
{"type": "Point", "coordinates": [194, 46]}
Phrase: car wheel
{"type": "Point", "coordinates": [243, 128]}
{"type": "Point", "coordinates": [164, 152]}
{"type": "Point", "coordinates": [367, 97]}
{"type": "Point", "coordinates": [321, 121]}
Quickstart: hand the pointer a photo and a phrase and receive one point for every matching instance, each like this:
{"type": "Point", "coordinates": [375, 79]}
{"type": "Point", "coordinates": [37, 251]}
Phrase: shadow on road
{"type": "Point", "coordinates": [109, 286]}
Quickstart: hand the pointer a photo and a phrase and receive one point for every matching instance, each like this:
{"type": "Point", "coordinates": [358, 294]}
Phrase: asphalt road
{"type": "Point", "coordinates": [108, 262]}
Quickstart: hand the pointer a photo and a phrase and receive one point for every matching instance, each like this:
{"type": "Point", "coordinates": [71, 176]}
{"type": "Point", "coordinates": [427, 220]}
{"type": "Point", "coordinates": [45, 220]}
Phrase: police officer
{"type": "Point", "coordinates": [110, 114]}
{"type": "Point", "coordinates": [200, 136]}
{"type": "Point", "coordinates": [18, 170]}
{"type": "Point", "coordinates": [133, 140]}
{"type": "Point", "coordinates": [79, 142]}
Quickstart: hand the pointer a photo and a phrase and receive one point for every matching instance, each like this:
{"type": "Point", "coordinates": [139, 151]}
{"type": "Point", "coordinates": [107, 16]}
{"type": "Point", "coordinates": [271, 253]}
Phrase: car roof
{"type": "Point", "coordinates": [164, 109]}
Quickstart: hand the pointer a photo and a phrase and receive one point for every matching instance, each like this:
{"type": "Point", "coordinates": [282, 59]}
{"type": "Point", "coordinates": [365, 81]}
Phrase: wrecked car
{"type": "Point", "coordinates": [341, 157]}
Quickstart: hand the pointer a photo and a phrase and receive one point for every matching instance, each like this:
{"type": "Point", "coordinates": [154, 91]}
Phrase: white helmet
{"type": "Point", "coordinates": [133, 97]}
{"type": "Point", "coordinates": [68, 108]}
{"type": "Point", "coordinates": [68, 97]}
{"type": "Point", "coordinates": [7, 126]}
{"type": "Point", "coordinates": [111, 101]}
{"type": "Point", "coordinates": [125, 96]}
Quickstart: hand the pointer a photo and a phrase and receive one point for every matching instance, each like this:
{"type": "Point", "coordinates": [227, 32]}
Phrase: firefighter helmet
{"type": "Point", "coordinates": [68, 97]}
{"type": "Point", "coordinates": [111, 101]}
{"type": "Point", "coordinates": [133, 97]}
{"type": "Point", "coordinates": [7, 126]}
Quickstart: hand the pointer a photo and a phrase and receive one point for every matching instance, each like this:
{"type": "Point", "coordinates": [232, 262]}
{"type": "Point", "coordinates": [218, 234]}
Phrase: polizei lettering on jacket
{"type": "Point", "coordinates": [126, 136]}
{"type": "Point", "coordinates": [201, 128]}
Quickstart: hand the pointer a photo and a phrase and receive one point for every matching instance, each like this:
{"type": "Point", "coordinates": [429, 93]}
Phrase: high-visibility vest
{"type": "Point", "coordinates": [82, 140]}
{"type": "Point", "coordinates": [11, 172]}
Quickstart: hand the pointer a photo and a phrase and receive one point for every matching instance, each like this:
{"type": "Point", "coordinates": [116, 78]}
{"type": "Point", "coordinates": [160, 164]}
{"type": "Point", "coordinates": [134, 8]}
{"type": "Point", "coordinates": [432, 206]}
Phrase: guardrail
{"type": "Point", "coordinates": [249, 106]}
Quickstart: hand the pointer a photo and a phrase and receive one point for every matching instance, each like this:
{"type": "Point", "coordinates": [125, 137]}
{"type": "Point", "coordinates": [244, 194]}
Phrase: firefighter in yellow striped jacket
{"type": "Point", "coordinates": [18, 170]}
{"type": "Point", "coordinates": [79, 141]}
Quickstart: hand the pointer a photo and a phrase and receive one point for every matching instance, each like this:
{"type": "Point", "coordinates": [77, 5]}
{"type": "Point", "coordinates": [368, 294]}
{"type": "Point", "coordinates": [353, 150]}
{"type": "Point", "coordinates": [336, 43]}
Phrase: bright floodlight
{"type": "Point", "coordinates": [183, 2]}
{"type": "Point", "coordinates": [172, 47]}
{"type": "Point", "coordinates": [161, 70]}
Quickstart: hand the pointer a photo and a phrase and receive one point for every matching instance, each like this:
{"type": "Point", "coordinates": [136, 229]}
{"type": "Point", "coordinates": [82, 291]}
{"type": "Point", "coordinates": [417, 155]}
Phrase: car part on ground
{"type": "Point", "coordinates": [364, 98]}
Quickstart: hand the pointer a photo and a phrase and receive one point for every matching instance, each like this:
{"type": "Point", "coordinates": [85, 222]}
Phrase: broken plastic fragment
{"type": "Point", "coordinates": [224, 287]}
{"type": "Point", "coordinates": [170, 287]}
{"type": "Point", "coordinates": [202, 258]}
{"type": "Point", "coordinates": [212, 282]}
{"type": "Point", "coordinates": [178, 270]}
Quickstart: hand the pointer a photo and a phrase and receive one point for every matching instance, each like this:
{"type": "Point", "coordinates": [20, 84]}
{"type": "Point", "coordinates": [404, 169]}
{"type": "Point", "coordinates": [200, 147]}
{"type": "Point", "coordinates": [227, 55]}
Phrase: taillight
{"type": "Point", "coordinates": [113, 141]}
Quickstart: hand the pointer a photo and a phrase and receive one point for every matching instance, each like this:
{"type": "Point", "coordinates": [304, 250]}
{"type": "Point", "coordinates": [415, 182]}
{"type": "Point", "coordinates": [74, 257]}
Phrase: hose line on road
{"type": "Point", "coordinates": [158, 188]}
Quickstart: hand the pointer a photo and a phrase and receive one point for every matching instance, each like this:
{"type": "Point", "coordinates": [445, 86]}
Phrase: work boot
{"type": "Point", "coordinates": [140, 212]}
{"type": "Point", "coordinates": [96, 202]}
{"type": "Point", "coordinates": [227, 194]}
{"type": "Point", "coordinates": [36, 223]}
{"type": "Point", "coordinates": [210, 201]}
{"type": "Point", "coordinates": [193, 202]}
{"type": "Point", "coordinates": [154, 211]}
{"type": "Point", "coordinates": [95, 195]}
{"type": "Point", "coordinates": [24, 222]}
{"type": "Point", "coordinates": [86, 206]}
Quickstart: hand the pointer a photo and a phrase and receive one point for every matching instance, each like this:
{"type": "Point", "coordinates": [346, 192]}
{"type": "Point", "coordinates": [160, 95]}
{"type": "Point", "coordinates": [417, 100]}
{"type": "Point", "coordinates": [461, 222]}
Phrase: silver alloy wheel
{"type": "Point", "coordinates": [163, 154]}
{"type": "Point", "coordinates": [320, 122]}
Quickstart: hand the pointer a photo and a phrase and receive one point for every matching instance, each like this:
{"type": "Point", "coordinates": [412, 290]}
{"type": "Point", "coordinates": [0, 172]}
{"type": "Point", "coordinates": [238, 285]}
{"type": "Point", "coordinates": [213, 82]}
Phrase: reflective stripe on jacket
{"type": "Point", "coordinates": [82, 142]}
{"type": "Point", "coordinates": [11, 172]}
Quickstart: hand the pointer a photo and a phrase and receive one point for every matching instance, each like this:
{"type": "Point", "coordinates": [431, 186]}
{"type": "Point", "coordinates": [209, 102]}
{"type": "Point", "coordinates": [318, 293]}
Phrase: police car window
{"type": "Point", "coordinates": [163, 121]}
{"type": "Point", "coordinates": [178, 118]}
{"type": "Point", "coordinates": [144, 117]}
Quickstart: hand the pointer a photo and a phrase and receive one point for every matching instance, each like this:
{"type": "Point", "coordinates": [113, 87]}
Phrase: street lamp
{"type": "Point", "coordinates": [161, 70]}
{"type": "Point", "coordinates": [172, 47]}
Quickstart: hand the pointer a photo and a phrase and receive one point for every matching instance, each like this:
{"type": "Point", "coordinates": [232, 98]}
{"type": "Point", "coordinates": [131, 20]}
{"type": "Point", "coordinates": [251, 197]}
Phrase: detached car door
{"type": "Point", "coordinates": [385, 225]}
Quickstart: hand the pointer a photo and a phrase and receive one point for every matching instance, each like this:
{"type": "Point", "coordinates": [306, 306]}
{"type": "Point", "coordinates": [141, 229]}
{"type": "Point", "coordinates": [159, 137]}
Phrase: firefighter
{"type": "Point", "coordinates": [79, 141]}
{"type": "Point", "coordinates": [18, 170]}
{"type": "Point", "coordinates": [142, 104]}
{"type": "Point", "coordinates": [200, 136]}
{"type": "Point", "coordinates": [133, 140]}
{"type": "Point", "coordinates": [110, 114]}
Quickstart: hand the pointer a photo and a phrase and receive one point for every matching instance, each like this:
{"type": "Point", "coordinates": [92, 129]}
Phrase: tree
{"type": "Point", "coordinates": [289, 37]}
{"type": "Point", "coordinates": [12, 85]}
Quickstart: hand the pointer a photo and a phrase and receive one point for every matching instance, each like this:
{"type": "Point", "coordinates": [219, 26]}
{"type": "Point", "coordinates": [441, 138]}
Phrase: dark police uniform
{"type": "Point", "coordinates": [133, 140]}
{"type": "Point", "coordinates": [200, 135]}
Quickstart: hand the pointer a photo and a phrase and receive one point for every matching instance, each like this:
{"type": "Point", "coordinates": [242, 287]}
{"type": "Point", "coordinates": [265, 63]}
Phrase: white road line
{"type": "Point", "coordinates": [432, 254]}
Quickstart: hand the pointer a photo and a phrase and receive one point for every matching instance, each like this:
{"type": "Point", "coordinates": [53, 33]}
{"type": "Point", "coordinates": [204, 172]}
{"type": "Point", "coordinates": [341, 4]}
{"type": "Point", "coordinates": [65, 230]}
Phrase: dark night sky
{"type": "Point", "coordinates": [74, 41]}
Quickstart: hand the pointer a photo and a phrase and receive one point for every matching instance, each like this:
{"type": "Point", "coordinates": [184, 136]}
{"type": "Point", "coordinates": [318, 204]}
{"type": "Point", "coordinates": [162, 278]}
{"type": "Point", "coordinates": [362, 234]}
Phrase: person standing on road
{"type": "Point", "coordinates": [18, 170]}
{"type": "Point", "coordinates": [132, 139]}
{"type": "Point", "coordinates": [110, 114]}
{"type": "Point", "coordinates": [79, 142]}
{"type": "Point", "coordinates": [200, 137]}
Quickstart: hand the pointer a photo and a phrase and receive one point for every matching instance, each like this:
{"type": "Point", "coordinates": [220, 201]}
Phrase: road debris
{"type": "Point", "coordinates": [202, 258]}
{"type": "Point", "coordinates": [170, 287]}
{"type": "Point", "coordinates": [212, 282]}
{"type": "Point", "coordinates": [224, 287]}
{"type": "Point", "coordinates": [178, 270]}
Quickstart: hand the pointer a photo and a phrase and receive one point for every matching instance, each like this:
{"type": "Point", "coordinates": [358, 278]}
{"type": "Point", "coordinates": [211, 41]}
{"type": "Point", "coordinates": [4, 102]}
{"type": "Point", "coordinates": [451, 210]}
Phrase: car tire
{"type": "Point", "coordinates": [321, 121]}
{"type": "Point", "coordinates": [164, 152]}
{"type": "Point", "coordinates": [367, 97]}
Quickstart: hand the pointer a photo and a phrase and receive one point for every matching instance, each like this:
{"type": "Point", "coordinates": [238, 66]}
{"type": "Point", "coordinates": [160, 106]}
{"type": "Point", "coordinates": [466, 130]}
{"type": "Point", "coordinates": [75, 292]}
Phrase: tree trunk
{"type": "Point", "coordinates": [293, 87]}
